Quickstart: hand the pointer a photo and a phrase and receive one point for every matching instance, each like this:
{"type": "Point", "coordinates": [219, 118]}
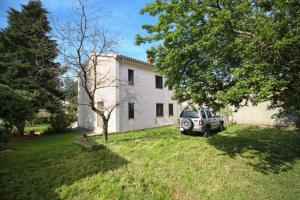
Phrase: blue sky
{"type": "Point", "coordinates": [124, 18]}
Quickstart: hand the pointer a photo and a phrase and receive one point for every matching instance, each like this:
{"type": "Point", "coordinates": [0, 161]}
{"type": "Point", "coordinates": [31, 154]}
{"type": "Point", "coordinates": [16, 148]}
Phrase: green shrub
{"type": "Point", "coordinates": [61, 120]}
{"type": "Point", "coordinates": [16, 107]}
{"type": "Point", "coordinates": [39, 120]}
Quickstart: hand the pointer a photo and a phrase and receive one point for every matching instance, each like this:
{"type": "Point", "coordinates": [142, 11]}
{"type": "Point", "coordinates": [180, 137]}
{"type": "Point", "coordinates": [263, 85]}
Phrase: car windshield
{"type": "Point", "coordinates": [190, 114]}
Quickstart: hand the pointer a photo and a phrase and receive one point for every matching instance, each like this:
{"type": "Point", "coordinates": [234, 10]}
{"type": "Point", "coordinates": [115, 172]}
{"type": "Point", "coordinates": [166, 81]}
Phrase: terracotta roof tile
{"type": "Point", "coordinates": [123, 57]}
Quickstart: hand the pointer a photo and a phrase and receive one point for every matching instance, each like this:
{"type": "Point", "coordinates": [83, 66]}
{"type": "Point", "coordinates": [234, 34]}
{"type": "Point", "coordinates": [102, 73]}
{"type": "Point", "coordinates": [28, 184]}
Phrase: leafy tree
{"type": "Point", "coordinates": [16, 108]}
{"type": "Point", "coordinates": [70, 90]}
{"type": "Point", "coordinates": [228, 52]}
{"type": "Point", "coordinates": [27, 55]}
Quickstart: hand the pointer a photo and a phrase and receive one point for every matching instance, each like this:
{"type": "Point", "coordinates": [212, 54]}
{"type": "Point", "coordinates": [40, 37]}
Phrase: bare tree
{"type": "Point", "coordinates": [83, 41]}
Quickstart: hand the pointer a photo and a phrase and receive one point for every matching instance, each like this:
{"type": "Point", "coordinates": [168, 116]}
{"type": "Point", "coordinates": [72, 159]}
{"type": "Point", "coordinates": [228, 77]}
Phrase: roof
{"type": "Point", "coordinates": [127, 58]}
{"type": "Point", "coordinates": [123, 57]}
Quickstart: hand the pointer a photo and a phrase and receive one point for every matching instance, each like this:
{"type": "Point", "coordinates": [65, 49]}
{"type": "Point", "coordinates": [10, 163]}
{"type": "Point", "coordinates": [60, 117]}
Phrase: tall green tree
{"type": "Point", "coordinates": [27, 55]}
{"type": "Point", "coordinates": [228, 52]}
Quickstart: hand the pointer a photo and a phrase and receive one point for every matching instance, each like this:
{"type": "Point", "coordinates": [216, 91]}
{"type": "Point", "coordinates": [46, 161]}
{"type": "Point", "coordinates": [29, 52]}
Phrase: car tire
{"type": "Point", "coordinates": [221, 126]}
{"type": "Point", "coordinates": [187, 124]}
{"type": "Point", "coordinates": [207, 131]}
{"type": "Point", "coordinates": [183, 132]}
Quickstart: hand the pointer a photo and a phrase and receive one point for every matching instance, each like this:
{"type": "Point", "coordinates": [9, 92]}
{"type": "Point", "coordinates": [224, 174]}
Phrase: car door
{"type": "Point", "coordinates": [212, 120]}
{"type": "Point", "coordinates": [209, 119]}
{"type": "Point", "coordinates": [215, 120]}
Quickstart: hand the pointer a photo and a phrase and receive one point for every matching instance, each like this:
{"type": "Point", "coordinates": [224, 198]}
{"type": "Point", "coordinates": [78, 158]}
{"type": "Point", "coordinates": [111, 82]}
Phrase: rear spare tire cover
{"type": "Point", "coordinates": [187, 124]}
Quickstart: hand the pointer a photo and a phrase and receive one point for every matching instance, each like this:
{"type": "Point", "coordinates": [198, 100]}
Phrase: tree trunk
{"type": "Point", "coordinates": [21, 126]}
{"type": "Point", "coordinates": [105, 129]}
{"type": "Point", "coordinates": [7, 131]}
{"type": "Point", "coordinates": [8, 127]}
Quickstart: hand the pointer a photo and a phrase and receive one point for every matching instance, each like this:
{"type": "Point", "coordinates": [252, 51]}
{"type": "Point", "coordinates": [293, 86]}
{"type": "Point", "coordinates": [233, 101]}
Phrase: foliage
{"type": "Point", "coordinates": [27, 55]}
{"type": "Point", "coordinates": [157, 163]}
{"type": "Point", "coordinates": [70, 90]}
{"type": "Point", "coordinates": [61, 120]}
{"type": "Point", "coordinates": [39, 120]}
{"type": "Point", "coordinates": [3, 134]}
{"type": "Point", "coordinates": [16, 107]}
{"type": "Point", "coordinates": [228, 52]}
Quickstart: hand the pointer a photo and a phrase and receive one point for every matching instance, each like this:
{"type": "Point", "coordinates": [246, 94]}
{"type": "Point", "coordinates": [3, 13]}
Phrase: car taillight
{"type": "Point", "coordinates": [200, 122]}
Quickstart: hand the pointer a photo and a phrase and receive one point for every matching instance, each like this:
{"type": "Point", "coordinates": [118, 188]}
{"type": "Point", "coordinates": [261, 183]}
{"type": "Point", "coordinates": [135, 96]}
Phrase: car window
{"type": "Point", "coordinates": [203, 114]}
{"type": "Point", "coordinates": [213, 114]}
{"type": "Point", "coordinates": [208, 114]}
{"type": "Point", "coordinates": [190, 114]}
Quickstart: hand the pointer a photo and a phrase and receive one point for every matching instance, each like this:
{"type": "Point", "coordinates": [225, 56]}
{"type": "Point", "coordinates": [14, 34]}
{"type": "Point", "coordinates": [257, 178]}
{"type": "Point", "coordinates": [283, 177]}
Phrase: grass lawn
{"type": "Point", "coordinates": [243, 162]}
{"type": "Point", "coordinates": [37, 128]}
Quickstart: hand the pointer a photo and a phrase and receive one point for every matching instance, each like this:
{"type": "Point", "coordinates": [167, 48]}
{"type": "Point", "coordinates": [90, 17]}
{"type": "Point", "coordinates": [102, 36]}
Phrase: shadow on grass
{"type": "Point", "coordinates": [43, 173]}
{"type": "Point", "coordinates": [268, 150]}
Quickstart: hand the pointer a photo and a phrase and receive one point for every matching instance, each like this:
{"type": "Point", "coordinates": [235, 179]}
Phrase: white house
{"type": "Point", "coordinates": [151, 106]}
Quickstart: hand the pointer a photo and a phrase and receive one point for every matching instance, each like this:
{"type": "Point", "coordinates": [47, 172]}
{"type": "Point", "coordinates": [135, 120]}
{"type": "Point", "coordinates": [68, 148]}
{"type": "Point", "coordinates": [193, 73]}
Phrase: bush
{"type": "Point", "coordinates": [39, 120]}
{"type": "Point", "coordinates": [16, 107]}
{"type": "Point", "coordinates": [61, 120]}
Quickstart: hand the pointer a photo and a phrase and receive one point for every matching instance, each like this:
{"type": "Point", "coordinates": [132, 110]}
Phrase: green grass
{"type": "Point", "coordinates": [243, 162]}
{"type": "Point", "coordinates": [37, 128]}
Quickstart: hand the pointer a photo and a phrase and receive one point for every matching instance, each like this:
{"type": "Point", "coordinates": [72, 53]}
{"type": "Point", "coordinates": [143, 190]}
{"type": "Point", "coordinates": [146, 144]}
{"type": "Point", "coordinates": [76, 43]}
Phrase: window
{"type": "Point", "coordinates": [130, 110]}
{"type": "Point", "coordinates": [159, 110]}
{"type": "Point", "coordinates": [190, 114]}
{"type": "Point", "coordinates": [203, 114]}
{"type": "Point", "coordinates": [130, 77]}
{"type": "Point", "coordinates": [208, 113]}
{"type": "Point", "coordinates": [158, 82]}
{"type": "Point", "coordinates": [213, 114]}
{"type": "Point", "coordinates": [170, 109]}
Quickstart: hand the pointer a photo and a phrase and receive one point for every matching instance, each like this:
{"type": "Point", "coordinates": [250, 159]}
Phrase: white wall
{"type": "Point", "coordinates": [108, 70]}
{"type": "Point", "coordinates": [87, 118]}
{"type": "Point", "coordinates": [146, 97]}
{"type": "Point", "coordinates": [258, 115]}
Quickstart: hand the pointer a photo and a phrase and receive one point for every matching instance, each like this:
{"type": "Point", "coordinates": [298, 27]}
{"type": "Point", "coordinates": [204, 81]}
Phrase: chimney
{"type": "Point", "coordinates": [150, 57]}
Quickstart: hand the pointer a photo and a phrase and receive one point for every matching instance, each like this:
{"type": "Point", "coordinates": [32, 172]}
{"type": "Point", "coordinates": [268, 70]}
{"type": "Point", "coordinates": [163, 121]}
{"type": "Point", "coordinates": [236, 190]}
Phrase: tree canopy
{"type": "Point", "coordinates": [27, 55]}
{"type": "Point", "coordinates": [228, 52]}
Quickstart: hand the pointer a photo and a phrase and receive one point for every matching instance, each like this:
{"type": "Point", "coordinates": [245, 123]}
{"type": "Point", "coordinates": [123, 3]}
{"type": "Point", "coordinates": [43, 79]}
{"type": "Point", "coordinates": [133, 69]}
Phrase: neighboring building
{"type": "Point", "coordinates": [151, 106]}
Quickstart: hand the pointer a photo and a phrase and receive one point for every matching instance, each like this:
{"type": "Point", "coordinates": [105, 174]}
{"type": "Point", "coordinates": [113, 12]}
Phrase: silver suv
{"type": "Point", "coordinates": [200, 120]}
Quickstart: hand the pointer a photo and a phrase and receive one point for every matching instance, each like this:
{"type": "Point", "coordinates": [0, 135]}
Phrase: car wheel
{"type": "Point", "coordinates": [207, 131]}
{"type": "Point", "coordinates": [221, 126]}
{"type": "Point", "coordinates": [187, 124]}
{"type": "Point", "coordinates": [183, 132]}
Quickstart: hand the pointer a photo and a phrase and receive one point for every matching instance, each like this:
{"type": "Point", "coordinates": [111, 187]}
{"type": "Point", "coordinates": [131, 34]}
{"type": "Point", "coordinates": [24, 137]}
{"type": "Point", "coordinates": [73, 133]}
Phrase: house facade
{"type": "Point", "coordinates": [150, 103]}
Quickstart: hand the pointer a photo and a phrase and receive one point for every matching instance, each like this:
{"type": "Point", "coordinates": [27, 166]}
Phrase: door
{"type": "Point", "coordinates": [211, 120]}
{"type": "Point", "coordinates": [215, 120]}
